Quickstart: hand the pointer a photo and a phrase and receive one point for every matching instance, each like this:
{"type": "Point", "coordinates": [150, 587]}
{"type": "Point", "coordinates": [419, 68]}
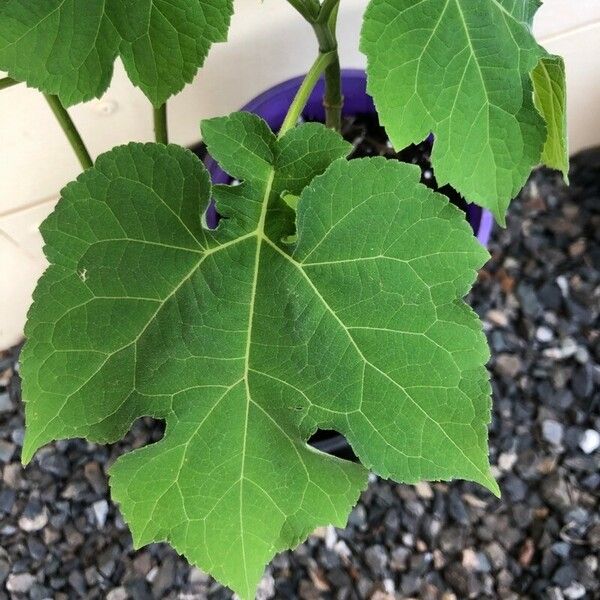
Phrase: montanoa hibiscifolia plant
{"type": "Point", "coordinates": [330, 294]}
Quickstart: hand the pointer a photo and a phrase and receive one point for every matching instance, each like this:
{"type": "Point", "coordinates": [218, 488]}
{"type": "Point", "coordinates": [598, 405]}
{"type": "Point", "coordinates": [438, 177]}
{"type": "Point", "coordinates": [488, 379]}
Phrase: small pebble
{"type": "Point", "coordinates": [554, 593]}
{"type": "Point", "coordinates": [400, 556]}
{"type": "Point", "coordinates": [424, 490]}
{"type": "Point", "coordinates": [544, 334]}
{"type": "Point", "coordinates": [582, 356]}
{"type": "Point", "coordinates": [506, 461]}
{"type": "Point", "coordinates": [7, 500]}
{"type": "Point", "coordinates": [497, 317]}
{"type": "Point", "coordinates": [552, 432]}
{"type": "Point", "coordinates": [376, 559]}
{"type": "Point", "coordinates": [20, 583]}
{"type": "Point", "coordinates": [564, 576]}
{"type": "Point", "coordinates": [590, 441]}
{"type": "Point", "coordinates": [119, 593]}
{"type": "Point", "coordinates": [6, 404]}
{"type": "Point", "coordinates": [566, 350]}
{"type": "Point", "coordinates": [266, 587]}
{"type": "Point", "coordinates": [508, 365]}
{"type": "Point", "coordinates": [575, 591]}
{"type": "Point", "coordinates": [475, 561]}
{"type": "Point", "coordinates": [100, 512]}
{"type": "Point", "coordinates": [7, 450]}
{"type": "Point", "coordinates": [95, 476]}
{"type": "Point", "coordinates": [33, 520]}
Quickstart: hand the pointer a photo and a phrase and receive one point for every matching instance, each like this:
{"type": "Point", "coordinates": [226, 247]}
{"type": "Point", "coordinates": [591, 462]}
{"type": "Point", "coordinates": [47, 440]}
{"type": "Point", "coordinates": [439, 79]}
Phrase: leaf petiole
{"type": "Point", "coordinates": [301, 98]}
{"type": "Point", "coordinates": [7, 82]}
{"type": "Point", "coordinates": [161, 130]}
{"type": "Point", "coordinates": [327, 10]}
{"type": "Point", "coordinates": [70, 130]}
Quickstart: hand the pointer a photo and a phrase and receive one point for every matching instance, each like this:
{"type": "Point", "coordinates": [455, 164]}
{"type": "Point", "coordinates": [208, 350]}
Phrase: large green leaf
{"type": "Point", "coordinates": [550, 97]}
{"type": "Point", "coordinates": [68, 47]}
{"type": "Point", "coordinates": [246, 345]}
{"type": "Point", "coordinates": [460, 69]}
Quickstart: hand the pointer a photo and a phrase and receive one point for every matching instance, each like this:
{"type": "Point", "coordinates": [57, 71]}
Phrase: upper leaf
{"type": "Point", "coordinates": [550, 97]}
{"type": "Point", "coordinates": [460, 69]}
{"type": "Point", "coordinates": [246, 345]}
{"type": "Point", "coordinates": [68, 47]}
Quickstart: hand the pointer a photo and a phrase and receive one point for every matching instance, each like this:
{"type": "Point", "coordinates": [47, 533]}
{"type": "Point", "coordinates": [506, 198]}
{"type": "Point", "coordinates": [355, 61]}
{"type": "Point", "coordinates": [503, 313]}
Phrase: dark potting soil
{"type": "Point", "coordinates": [61, 537]}
{"type": "Point", "coordinates": [369, 138]}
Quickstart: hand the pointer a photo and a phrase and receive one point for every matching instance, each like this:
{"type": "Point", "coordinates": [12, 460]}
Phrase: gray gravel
{"type": "Point", "coordinates": [61, 537]}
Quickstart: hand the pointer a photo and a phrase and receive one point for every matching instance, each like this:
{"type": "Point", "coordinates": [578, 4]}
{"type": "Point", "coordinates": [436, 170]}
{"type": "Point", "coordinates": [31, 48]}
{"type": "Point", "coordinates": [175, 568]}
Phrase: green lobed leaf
{"type": "Point", "coordinates": [550, 97]}
{"type": "Point", "coordinates": [68, 47]}
{"type": "Point", "coordinates": [246, 345]}
{"type": "Point", "coordinates": [460, 69]}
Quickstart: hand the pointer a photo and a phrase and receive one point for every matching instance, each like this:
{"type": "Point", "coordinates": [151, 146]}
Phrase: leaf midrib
{"type": "Point", "coordinates": [259, 239]}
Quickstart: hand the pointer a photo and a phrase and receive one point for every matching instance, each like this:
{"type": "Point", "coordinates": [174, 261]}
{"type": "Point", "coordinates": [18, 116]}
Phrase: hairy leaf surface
{"type": "Point", "coordinates": [68, 47]}
{"type": "Point", "coordinates": [246, 345]}
{"type": "Point", "coordinates": [462, 70]}
{"type": "Point", "coordinates": [550, 97]}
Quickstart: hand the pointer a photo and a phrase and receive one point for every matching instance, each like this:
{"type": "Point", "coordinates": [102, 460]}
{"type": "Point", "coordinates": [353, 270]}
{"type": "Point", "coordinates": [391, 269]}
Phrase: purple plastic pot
{"type": "Point", "coordinates": [273, 104]}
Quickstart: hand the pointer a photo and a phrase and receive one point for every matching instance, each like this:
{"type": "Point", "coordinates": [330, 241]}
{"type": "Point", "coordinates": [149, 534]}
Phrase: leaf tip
{"type": "Point", "coordinates": [500, 216]}
{"type": "Point", "coordinates": [29, 449]}
{"type": "Point", "coordinates": [492, 486]}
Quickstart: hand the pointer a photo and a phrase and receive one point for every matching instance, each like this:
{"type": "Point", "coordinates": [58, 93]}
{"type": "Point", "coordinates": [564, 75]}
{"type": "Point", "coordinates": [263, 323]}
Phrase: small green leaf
{"type": "Point", "coordinates": [246, 345]}
{"type": "Point", "coordinates": [550, 97]}
{"type": "Point", "coordinates": [291, 201]}
{"type": "Point", "coordinates": [68, 47]}
{"type": "Point", "coordinates": [460, 69]}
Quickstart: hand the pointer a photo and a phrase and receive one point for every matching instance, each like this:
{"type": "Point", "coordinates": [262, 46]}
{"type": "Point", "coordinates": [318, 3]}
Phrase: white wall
{"type": "Point", "coordinates": [36, 161]}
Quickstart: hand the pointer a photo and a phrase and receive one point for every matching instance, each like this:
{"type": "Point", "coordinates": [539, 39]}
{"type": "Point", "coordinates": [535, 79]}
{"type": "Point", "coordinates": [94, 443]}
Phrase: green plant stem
{"type": "Point", "coordinates": [323, 19]}
{"type": "Point", "coordinates": [320, 65]}
{"type": "Point", "coordinates": [161, 130]}
{"type": "Point", "coordinates": [333, 100]}
{"type": "Point", "coordinates": [325, 30]}
{"type": "Point", "coordinates": [7, 82]}
{"type": "Point", "coordinates": [328, 8]}
{"type": "Point", "coordinates": [67, 125]}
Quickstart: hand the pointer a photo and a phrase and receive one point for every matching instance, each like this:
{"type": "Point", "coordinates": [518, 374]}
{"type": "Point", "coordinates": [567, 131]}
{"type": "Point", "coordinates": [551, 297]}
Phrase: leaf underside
{"type": "Point", "coordinates": [246, 345]}
{"type": "Point", "coordinates": [68, 47]}
{"type": "Point", "coordinates": [461, 69]}
{"type": "Point", "coordinates": [550, 97]}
